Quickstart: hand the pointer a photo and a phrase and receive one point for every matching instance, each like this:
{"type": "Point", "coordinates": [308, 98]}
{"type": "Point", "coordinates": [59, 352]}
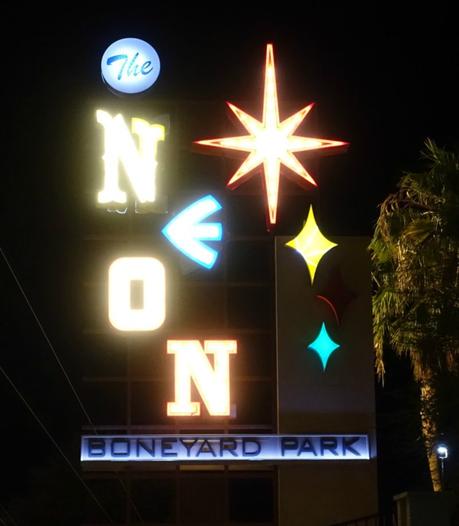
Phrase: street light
{"type": "Point", "coordinates": [442, 455]}
{"type": "Point", "coordinates": [442, 451]}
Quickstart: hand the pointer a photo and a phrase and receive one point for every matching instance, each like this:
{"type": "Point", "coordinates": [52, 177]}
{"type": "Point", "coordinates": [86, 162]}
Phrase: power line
{"type": "Point", "coordinates": [45, 336]}
{"type": "Point", "coordinates": [8, 515]}
{"type": "Point", "coordinates": [56, 445]}
{"type": "Point", "coordinates": [64, 372]}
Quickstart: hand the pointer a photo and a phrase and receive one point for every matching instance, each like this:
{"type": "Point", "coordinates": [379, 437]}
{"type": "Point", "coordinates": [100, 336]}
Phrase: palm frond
{"type": "Point", "coordinates": [415, 253]}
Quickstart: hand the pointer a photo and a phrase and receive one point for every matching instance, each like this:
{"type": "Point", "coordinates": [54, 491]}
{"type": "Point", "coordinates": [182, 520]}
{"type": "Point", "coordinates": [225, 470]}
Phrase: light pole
{"type": "Point", "coordinates": [442, 455]}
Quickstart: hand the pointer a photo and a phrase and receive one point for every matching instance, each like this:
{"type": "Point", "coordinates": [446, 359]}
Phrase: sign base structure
{"type": "Point", "coordinates": [325, 378]}
{"type": "Point", "coordinates": [224, 448]}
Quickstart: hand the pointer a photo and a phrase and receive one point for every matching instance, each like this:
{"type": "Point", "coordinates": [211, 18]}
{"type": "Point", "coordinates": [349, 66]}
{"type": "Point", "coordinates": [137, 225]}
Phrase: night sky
{"type": "Point", "coordinates": [383, 78]}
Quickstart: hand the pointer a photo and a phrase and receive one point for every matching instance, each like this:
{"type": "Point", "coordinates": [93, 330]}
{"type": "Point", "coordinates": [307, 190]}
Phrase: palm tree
{"type": "Point", "coordinates": [415, 255]}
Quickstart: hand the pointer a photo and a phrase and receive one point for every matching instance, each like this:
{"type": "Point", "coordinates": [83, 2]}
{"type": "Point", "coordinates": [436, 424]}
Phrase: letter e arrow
{"type": "Point", "coordinates": [187, 231]}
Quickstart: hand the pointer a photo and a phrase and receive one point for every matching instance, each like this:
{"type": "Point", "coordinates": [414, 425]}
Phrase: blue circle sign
{"type": "Point", "coordinates": [130, 65]}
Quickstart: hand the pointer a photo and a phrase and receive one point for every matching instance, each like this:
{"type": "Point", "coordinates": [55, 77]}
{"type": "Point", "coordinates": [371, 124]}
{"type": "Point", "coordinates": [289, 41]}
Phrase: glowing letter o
{"type": "Point", "coordinates": [152, 274]}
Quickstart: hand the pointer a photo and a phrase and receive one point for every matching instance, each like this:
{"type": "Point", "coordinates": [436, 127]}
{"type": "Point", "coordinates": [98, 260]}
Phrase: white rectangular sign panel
{"type": "Point", "coordinates": [223, 448]}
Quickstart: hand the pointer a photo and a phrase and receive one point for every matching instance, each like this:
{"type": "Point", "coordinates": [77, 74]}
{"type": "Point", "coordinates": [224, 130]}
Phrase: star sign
{"type": "Point", "coordinates": [324, 346]}
{"type": "Point", "coordinates": [311, 244]}
{"type": "Point", "coordinates": [271, 143]}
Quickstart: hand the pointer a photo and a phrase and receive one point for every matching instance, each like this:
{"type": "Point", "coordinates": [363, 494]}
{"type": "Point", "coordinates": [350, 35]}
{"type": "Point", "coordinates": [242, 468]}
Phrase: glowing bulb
{"type": "Point", "coordinates": [442, 452]}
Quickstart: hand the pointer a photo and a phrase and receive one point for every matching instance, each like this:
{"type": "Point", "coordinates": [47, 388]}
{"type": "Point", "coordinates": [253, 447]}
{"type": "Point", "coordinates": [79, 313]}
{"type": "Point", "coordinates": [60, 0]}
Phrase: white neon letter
{"type": "Point", "coordinates": [212, 383]}
{"type": "Point", "coordinates": [139, 163]}
{"type": "Point", "coordinates": [151, 273]}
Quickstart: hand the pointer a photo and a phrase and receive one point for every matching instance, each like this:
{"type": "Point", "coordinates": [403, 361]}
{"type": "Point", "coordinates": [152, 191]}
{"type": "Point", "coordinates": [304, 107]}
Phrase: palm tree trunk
{"type": "Point", "coordinates": [429, 430]}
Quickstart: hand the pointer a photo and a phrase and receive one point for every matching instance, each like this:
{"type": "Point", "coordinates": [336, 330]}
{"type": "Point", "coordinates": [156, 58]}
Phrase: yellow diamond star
{"type": "Point", "coordinates": [311, 244]}
{"type": "Point", "coordinates": [271, 142]}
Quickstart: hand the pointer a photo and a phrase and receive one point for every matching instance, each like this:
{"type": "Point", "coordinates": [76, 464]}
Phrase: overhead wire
{"type": "Point", "coordinates": [64, 372]}
{"type": "Point", "coordinates": [45, 336]}
{"type": "Point", "coordinates": [8, 515]}
{"type": "Point", "coordinates": [56, 445]}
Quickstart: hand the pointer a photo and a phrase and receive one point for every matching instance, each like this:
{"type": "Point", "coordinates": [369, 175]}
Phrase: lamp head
{"type": "Point", "coordinates": [442, 451]}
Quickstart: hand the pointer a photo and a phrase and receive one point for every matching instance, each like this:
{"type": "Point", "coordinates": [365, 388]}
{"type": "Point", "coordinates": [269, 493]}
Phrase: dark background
{"type": "Point", "coordinates": [383, 78]}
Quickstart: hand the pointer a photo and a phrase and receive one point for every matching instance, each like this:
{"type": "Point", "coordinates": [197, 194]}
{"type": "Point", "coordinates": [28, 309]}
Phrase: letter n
{"type": "Point", "coordinates": [139, 162]}
{"type": "Point", "coordinates": [212, 383]}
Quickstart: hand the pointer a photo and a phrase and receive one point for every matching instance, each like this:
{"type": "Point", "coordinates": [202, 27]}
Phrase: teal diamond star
{"type": "Point", "coordinates": [323, 345]}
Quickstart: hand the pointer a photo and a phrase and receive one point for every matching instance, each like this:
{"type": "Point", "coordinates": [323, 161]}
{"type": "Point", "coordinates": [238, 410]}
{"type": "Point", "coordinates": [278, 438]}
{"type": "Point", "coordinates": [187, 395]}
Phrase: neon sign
{"type": "Point", "coordinates": [212, 383]}
{"type": "Point", "coordinates": [311, 244]}
{"type": "Point", "coordinates": [223, 448]}
{"type": "Point", "coordinates": [271, 143]}
{"type": "Point", "coordinates": [139, 163]}
{"type": "Point", "coordinates": [130, 65]}
{"type": "Point", "coordinates": [324, 346]}
{"type": "Point", "coordinates": [187, 231]}
{"type": "Point", "coordinates": [151, 274]}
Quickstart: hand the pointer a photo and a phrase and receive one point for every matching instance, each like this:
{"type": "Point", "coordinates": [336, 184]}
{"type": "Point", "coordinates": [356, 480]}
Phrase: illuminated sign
{"type": "Point", "coordinates": [139, 163]}
{"type": "Point", "coordinates": [137, 285]}
{"type": "Point", "coordinates": [212, 382]}
{"type": "Point", "coordinates": [323, 345]}
{"type": "Point", "coordinates": [311, 244]}
{"type": "Point", "coordinates": [187, 231]}
{"type": "Point", "coordinates": [223, 448]}
{"type": "Point", "coordinates": [150, 314]}
{"type": "Point", "coordinates": [271, 143]}
{"type": "Point", "coordinates": [130, 65]}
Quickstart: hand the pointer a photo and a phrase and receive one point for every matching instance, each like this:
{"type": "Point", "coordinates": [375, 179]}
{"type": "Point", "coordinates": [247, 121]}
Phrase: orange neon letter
{"type": "Point", "coordinates": [212, 383]}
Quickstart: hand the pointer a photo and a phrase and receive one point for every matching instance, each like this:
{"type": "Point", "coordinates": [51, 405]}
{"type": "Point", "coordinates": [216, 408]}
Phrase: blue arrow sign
{"type": "Point", "coordinates": [187, 231]}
